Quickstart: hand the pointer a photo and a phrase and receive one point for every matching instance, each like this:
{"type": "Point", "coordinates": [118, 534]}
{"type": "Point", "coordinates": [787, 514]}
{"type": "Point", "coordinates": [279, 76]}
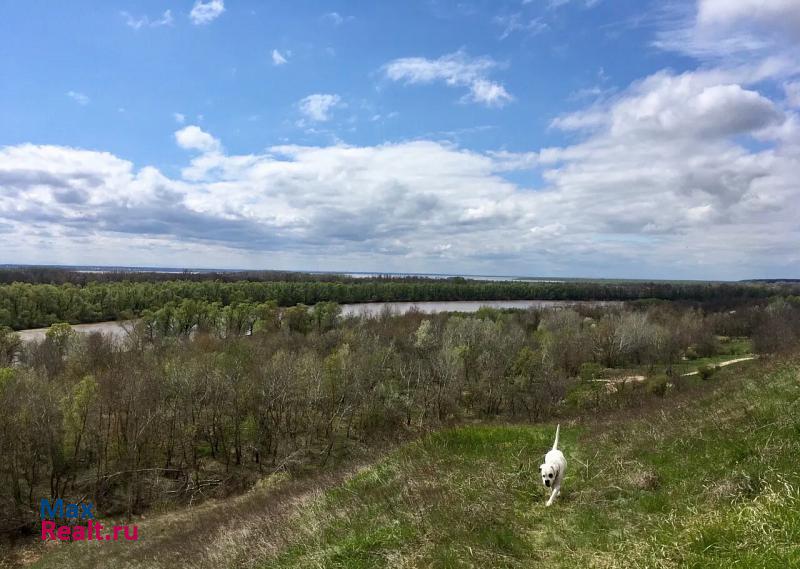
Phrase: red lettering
{"type": "Point", "coordinates": [48, 529]}
{"type": "Point", "coordinates": [78, 533]}
{"type": "Point", "coordinates": [134, 535]}
{"type": "Point", "coordinates": [63, 533]}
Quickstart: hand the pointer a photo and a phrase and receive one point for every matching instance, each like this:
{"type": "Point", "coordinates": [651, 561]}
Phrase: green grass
{"type": "Point", "coordinates": [730, 348]}
{"type": "Point", "coordinates": [712, 482]}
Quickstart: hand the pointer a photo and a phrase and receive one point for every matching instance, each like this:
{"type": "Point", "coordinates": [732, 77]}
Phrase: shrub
{"type": "Point", "coordinates": [586, 396]}
{"type": "Point", "coordinates": [658, 385]}
{"type": "Point", "coordinates": [590, 371]}
{"type": "Point", "coordinates": [706, 371]}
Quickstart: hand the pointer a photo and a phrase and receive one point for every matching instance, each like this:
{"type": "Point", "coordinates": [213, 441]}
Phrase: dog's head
{"type": "Point", "coordinates": [548, 474]}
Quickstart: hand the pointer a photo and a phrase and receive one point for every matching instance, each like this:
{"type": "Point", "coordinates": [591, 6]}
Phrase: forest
{"type": "Point", "coordinates": [62, 296]}
{"type": "Point", "coordinates": [202, 400]}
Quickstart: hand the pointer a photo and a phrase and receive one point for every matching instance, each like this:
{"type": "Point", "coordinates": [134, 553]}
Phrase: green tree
{"type": "Point", "coordinates": [10, 345]}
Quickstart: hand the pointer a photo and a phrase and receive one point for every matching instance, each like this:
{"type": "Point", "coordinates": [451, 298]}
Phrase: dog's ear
{"type": "Point", "coordinates": [541, 466]}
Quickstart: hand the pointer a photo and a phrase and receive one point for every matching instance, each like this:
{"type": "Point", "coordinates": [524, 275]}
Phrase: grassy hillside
{"type": "Point", "coordinates": [708, 477]}
{"type": "Point", "coordinates": [712, 482]}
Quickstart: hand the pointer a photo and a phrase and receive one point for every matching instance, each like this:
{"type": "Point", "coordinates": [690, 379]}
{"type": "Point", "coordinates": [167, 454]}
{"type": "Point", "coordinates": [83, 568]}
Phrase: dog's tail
{"type": "Point", "coordinates": [555, 444]}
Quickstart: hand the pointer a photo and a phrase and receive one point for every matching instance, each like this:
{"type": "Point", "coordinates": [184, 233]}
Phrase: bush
{"type": "Point", "coordinates": [590, 371]}
{"type": "Point", "coordinates": [586, 396]}
{"type": "Point", "coordinates": [658, 385]}
{"type": "Point", "coordinates": [706, 371]}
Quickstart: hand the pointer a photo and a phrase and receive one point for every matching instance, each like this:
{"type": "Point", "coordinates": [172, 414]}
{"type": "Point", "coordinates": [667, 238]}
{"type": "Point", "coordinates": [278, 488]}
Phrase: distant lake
{"type": "Point", "coordinates": [119, 329]}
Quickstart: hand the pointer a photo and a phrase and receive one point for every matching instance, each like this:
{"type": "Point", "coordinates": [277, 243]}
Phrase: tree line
{"type": "Point", "coordinates": [27, 305]}
{"type": "Point", "coordinates": [203, 399]}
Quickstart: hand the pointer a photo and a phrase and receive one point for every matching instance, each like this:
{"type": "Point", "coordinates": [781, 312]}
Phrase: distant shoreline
{"type": "Point", "coordinates": [107, 269]}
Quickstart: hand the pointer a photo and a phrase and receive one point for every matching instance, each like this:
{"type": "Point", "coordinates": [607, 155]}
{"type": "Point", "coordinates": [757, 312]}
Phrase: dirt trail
{"type": "Point", "coordinates": [723, 364]}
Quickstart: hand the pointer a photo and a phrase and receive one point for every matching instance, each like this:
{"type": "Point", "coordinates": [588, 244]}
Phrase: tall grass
{"type": "Point", "coordinates": [710, 482]}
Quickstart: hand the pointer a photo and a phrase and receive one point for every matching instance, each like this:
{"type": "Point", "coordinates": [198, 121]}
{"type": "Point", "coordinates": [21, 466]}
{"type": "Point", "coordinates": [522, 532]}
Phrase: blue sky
{"type": "Point", "coordinates": [541, 137]}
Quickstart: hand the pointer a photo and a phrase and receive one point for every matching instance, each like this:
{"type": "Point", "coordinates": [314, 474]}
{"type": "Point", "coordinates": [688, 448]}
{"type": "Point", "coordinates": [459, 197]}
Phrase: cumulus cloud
{"type": "Point", "coordinates": [781, 14]}
{"type": "Point", "coordinates": [734, 29]}
{"type": "Point", "coordinates": [687, 174]}
{"type": "Point", "coordinates": [278, 58]}
{"type": "Point", "coordinates": [691, 105]}
{"type": "Point", "coordinates": [194, 138]}
{"type": "Point", "coordinates": [145, 22]}
{"type": "Point", "coordinates": [206, 12]}
{"type": "Point", "coordinates": [456, 70]}
{"type": "Point", "coordinates": [657, 187]}
{"type": "Point", "coordinates": [667, 162]}
{"type": "Point", "coordinates": [336, 199]}
{"type": "Point", "coordinates": [79, 98]}
{"type": "Point", "coordinates": [793, 93]}
{"type": "Point", "coordinates": [318, 107]}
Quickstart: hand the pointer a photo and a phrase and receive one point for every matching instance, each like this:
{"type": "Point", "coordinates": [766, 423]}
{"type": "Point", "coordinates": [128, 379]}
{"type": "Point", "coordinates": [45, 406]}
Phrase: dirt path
{"type": "Point", "coordinates": [613, 384]}
{"type": "Point", "coordinates": [723, 364]}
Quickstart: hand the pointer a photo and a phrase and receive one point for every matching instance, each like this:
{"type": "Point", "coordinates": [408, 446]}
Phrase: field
{"type": "Point", "coordinates": [706, 477]}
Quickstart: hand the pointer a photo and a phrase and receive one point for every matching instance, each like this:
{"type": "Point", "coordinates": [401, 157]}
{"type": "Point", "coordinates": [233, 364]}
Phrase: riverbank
{"type": "Point", "coordinates": [120, 328]}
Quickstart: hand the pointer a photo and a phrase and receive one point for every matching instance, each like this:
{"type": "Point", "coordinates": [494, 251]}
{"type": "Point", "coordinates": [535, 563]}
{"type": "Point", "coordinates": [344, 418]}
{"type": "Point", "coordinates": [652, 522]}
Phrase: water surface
{"type": "Point", "coordinates": [119, 329]}
{"type": "Point", "coordinates": [375, 308]}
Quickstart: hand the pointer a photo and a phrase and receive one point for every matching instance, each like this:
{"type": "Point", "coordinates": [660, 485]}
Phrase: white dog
{"type": "Point", "coordinates": [553, 469]}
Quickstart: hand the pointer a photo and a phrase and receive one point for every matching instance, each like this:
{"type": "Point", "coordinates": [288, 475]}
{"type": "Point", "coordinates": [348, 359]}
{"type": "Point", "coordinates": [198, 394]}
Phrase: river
{"type": "Point", "coordinates": [375, 308]}
{"type": "Point", "coordinates": [119, 329]}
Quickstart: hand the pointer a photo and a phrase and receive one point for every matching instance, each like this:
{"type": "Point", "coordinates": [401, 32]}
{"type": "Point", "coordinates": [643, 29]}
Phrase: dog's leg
{"type": "Point", "coordinates": [554, 494]}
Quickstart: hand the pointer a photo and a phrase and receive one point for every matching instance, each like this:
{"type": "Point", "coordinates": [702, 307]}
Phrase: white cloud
{"type": "Point", "coordinates": [548, 231]}
{"type": "Point", "coordinates": [318, 107]}
{"type": "Point", "coordinates": [206, 12]}
{"type": "Point", "coordinates": [780, 14]}
{"type": "Point", "coordinates": [489, 93]}
{"type": "Point", "coordinates": [194, 138]}
{"type": "Point", "coordinates": [505, 161]}
{"type": "Point", "coordinates": [792, 90]}
{"type": "Point", "coordinates": [180, 118]}
{"type": "Point", "coordinates": [278, 58]}
{"type": "Point", "coordinates": [595, 92]}
{"type": "Point", "coordinates": [688, 174]}
{"type": "Point", "coordinates": [513, 23]}
{"type": "Point", "coordinates": [554, 4]}
{"type": "Point", "coordinates": [145, 22]}
{"type": "Point", "coordinates": [691, 105]}
{"type": "Point", "coordinates": [455, 69]}
{"type": "Point", "coordinates": [391, 200]}
{"type": "Point", "coordinates": [656, 189]}
{"type": "Point", "coordinates": [664, 163]}
{"type": "Point", "coordinates": [728, 29]}
{"type": "Point", "coordinates": [79, 98]}
{"type": "Point", "coordinates": [336, 19]}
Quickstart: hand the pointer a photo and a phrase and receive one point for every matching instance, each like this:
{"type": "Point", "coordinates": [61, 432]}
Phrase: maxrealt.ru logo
{"type": "Point", "coordinates": [78, 513]}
